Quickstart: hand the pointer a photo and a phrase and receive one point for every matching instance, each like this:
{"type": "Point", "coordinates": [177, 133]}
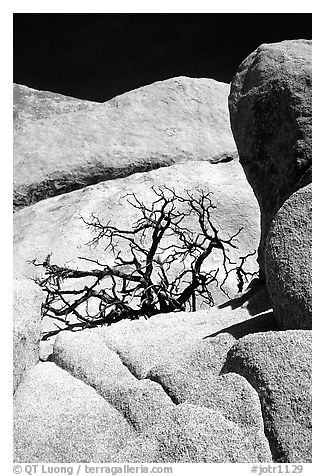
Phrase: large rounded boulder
{"type": "Point", "coordinates": [278, 366]}
{"type": "Point", "coordinates": [270, 111]}
{"type": "Point", "coordinates": [63, 144]}
{"type": "Point", "coordinates": [288, 262]}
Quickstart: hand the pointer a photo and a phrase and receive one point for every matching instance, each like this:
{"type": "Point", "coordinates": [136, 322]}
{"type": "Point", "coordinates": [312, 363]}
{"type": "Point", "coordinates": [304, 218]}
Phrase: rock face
{"type": "Point", "coordinates": [63, 144]}
{"type": "Point", "coordinates": [33, 105]}
{"type": "Point", "coordinates": [270, 110]}
{"type": "Point", "coordinates": [288, 262]}
{"type": "Point", "coordinates": [218, 385]}
{"type": "Point", "coordinates": [28, 299]}
{"type": "Point", "coordinates": [98, 397]}
{"type": "Point", "coordinates": [235, 398]}
{"type": "Point", "coordinates": [85, 356]}
{"type": "Point", "coordinates": [219, 418]}
{"type": "Point", "coordinates": [197, 435]}
{"type": "Point", "coordinates": [190, 374]}
{"type": "Point", "coordinates": [278, 366]}
{"type": "Point", "coordinates": [171, 342]}
{"type": "Point", "coordinates": [58, 418]}
{"type": "Point", "coordinates": [54, 225]}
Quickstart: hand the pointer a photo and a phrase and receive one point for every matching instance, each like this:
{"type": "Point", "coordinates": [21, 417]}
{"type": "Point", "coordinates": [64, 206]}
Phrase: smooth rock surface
{"type": "Point", "coordinates": [27, 302]}
{"type": "Point", "coordinates": [76, 143]}
{"type": "Point", "coordinates": [278, 366]}
{"type": "Point", "coordinates": [270, 110]}
{"type": "Point", "coordinates": [59, 419]}
{"type": "Point", "coordinates": [288, 261]}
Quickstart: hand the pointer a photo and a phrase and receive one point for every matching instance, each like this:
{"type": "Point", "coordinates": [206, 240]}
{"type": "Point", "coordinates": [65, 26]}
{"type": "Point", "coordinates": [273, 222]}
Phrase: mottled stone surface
{"type": "Point", "coordinates": [278, 366]}
{"type": "Point", "coordinates": [86, 356]}
{"type": "Point", "coordinates": [27, 302]}
{"type": "Point", "coordinates": [59, 419]}
{"type": "Point", "coordinates": [32, 105]}
{"type": "Point", "coordinates": [288, 261]}
{"type": "Point", "coordinates": [270, 110]}
{"type": "Point", "coordinates": [181, 345]}
{"type": "Point", "coordinates": [191, 374]}
{"type": "Point", "coordinates": [197, 435]}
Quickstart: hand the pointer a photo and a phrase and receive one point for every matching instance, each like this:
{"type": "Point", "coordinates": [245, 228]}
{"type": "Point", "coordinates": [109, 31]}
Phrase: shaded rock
{"type": "Point", "coordinates": [263, 322]}
{"type": "Point", "coordinates": [288, 262]}
{"type": "Point", "coordinates": [197, 435]}
{"type": "Point", "coordinates": [154, 126]}
{"type": "Point", "coordinates": [54, 225]}
{"type": "Point", "coordinates": [85, 356]}
{"type": "Point", "coordinates": [27, 302]}
{"type": "Point", "coordinates": [58, 418]}
{"type": "Point", "coordinates": [270, 110]}
{"type": "Point", "coordinates": [255, 298]}
{"type": "Point", "coordinates": [278, 366]}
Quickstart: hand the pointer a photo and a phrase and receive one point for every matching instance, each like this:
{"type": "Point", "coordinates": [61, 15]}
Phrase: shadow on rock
{"type": "Point", "coordinates": [261, 323]}
{"type": "Point", "coordinates": [257, 302]}
{"type": "Point", "coordinates": [255, 299]}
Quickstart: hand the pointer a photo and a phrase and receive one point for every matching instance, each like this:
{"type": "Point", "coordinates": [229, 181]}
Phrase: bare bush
{"type": "Point", "coordinates": [163, 270]}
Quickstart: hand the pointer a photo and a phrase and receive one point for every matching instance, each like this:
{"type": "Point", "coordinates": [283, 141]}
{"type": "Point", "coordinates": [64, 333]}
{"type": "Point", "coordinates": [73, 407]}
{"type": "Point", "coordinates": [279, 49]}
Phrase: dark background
{"type": "Point", "coordinates": [98, 56]}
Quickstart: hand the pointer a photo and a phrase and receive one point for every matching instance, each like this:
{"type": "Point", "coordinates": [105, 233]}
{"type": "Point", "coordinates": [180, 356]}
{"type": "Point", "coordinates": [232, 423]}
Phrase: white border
{"type": "Point", "coordinates": [165, 6]}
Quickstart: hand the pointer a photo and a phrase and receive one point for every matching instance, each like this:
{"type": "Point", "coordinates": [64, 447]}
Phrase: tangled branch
{"type": "Point", "coordinates": [162, 271]}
